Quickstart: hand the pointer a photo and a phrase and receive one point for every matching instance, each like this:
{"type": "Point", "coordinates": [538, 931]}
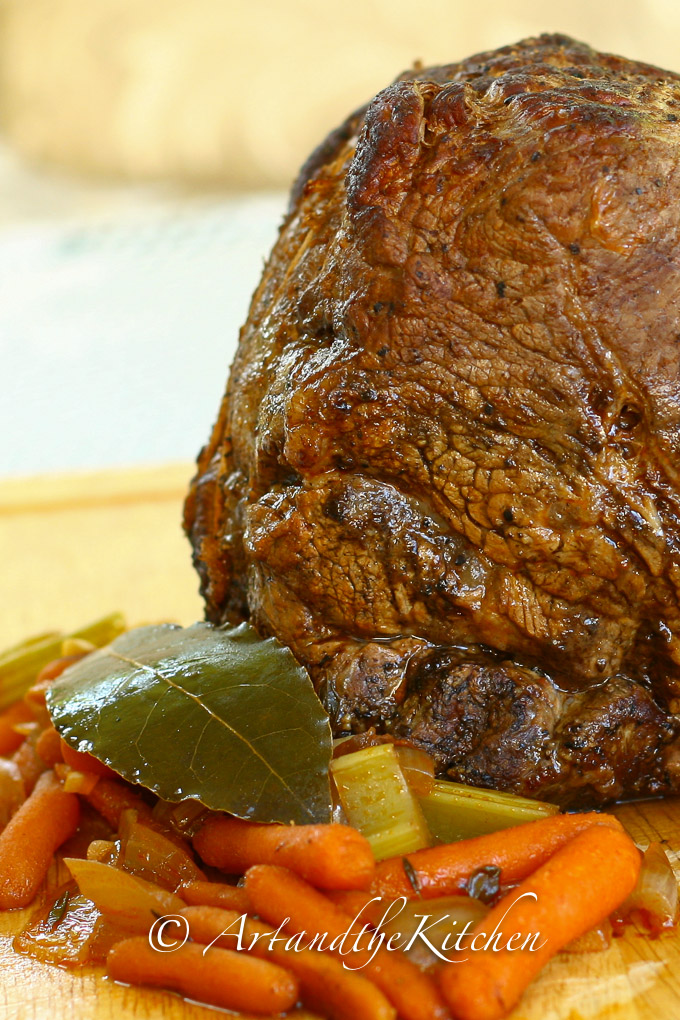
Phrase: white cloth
{"type": "Point", "coordinates": [117, 331]}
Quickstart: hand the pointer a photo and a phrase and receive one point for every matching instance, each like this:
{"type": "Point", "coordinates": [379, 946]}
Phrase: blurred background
{"type": "Point", "coordinates": [146, 149]}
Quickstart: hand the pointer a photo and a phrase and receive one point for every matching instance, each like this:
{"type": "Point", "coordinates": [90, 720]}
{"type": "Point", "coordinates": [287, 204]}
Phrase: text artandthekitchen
{"type": "Point", "coordinates": [366, 937]}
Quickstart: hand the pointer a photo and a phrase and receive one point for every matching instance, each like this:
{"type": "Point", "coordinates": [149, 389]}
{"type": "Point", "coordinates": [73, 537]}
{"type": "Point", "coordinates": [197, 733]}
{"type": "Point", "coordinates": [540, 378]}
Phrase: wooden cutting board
{"type": "Point", "coordinates": [73, 548]}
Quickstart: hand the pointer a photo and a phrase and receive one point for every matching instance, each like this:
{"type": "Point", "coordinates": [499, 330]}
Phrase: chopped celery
{"type": "Point", "coordinates": [454, 811]}
{"type": "Point", "coordinates": [377, 800]}
{"type": "Point", "coordinates": [20, 665]}
{"type": "Point", "coordinates": [418, 768]}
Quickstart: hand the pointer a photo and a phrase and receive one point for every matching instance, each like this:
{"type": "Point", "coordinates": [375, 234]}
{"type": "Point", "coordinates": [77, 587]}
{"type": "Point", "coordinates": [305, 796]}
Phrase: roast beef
{"type": "Point", "coordinates": [446, 468]}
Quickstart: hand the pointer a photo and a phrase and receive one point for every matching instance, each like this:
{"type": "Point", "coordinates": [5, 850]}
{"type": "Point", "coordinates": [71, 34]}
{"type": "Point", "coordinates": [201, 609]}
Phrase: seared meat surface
{"type": "Point", "coordinates": [446, 468]}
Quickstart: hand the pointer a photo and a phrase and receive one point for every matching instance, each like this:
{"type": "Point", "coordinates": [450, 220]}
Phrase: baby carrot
{"type": "Point", "coordinates": [35, 695]}
{"type": "Point", "coordinates": [12, 790]}
{"type": "Point", "coordinates": [325, 985]}
{"type": "Point", "coordinates": [17, 713]}
{"type": "Point", "coordinates": [30, 764]}
{"type": "Point", "coordinates": [56, 667]}
{"type": "Point", "coordinates": [221, 977]}
{"type": "Point", "coordinates": [111, 797]}
{"type": "Point", "coordinates": [354, 902]}
{"type": "Point", "coordinates": [48, 746]}
{"type": "Point", "coordinates": [42, 823]}
{"type": "Point", "coordinates": [575, 889]}
{"type": "Point", "coordinates": [444, 870]}
{"type": "Point", "coordinates": [279, 896]}
{"type": "Point", "coordinates": [328, 856]}
{"type": "Point", "coordinates": [214, 894]}
{"type": "Point", "coordinates": [81, 761]}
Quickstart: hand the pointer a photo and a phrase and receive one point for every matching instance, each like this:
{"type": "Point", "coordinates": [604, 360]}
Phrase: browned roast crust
{"type": "Point", "coordinates": [453, 419]}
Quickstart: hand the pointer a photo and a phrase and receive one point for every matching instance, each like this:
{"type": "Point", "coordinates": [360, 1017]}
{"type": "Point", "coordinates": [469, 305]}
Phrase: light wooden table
{"type": "Point", "coordinates": [75, 548]}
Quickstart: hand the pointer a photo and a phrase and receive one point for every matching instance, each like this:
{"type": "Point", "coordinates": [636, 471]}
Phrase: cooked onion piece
{"type": "Point", "coordinates": [656, 894]}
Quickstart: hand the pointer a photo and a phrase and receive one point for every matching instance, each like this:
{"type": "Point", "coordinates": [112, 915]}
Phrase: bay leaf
{"type": "Point", "coordinates": [213, 713]}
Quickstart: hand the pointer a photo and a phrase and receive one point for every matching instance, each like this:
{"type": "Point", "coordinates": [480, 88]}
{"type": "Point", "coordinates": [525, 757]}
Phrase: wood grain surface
{"type": "Point", "coordinates": [77, 547]}
{"type": "Point", "coordinates": [74, 548]}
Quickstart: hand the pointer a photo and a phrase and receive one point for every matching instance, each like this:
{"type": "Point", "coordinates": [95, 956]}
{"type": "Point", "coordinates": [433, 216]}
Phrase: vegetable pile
{"type": "Point", "coordinates": [179, 790]}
